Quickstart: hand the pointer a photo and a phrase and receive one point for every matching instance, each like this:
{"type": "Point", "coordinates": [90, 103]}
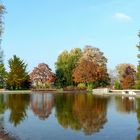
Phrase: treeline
{"type": "Point", "coordinates": [75, 69]}
{"type": "Point", "coordinates": [82, 68]}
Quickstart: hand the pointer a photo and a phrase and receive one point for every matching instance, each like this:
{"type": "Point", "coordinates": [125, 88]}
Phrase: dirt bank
{"type": "Point", "coordinates": [6, 136]}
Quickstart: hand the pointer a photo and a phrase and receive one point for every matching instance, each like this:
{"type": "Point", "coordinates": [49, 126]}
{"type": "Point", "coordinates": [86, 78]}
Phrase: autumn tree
{"type": "Point", "coordinates": [91, 68]}
{"type": "Point", "coordinates": [17, 77]}
{"type": "Point", "coordinates": [87, 71]}
{"type": "Point", "coordinates": [120, 69]}
{"type": "Point", "coordinates": [94, 54]}
{"type": "Point", "coordinates": [128, 78]}
{"type": "Point", "coordinates": [138, 67]}
{"type": "Point", "coordinates": [65, 64]}
{"type": "Point", "coordinates": [42, 75]}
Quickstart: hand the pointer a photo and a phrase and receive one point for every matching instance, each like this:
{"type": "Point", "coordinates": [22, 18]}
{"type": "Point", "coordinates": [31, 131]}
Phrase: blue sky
{"type": "Point", "coordinates": [38, 30]}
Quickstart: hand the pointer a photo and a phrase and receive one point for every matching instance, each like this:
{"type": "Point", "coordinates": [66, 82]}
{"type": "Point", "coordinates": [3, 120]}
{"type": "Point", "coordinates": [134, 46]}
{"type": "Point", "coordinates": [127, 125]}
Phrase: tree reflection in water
{"type": "Point", "coordinates": [42, 105]}
{"type": "Point", "coordinates": [2, 109]}
{"type": "Point", "coordinates": [18, 104]}
{"type": "Point", "coordinates": [125, 104]}
{"type": "Point", "coordinates": [138, 112]}
{"type": "Point", "coordinates": [81, 112]}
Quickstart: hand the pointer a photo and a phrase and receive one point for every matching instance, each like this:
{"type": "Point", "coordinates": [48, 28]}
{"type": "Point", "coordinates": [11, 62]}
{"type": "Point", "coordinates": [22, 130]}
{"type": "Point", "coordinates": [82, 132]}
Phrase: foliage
{"type": "Point", "coordinates": [138, 67]}
{"type": "Point", "coordinates": [17, 78]}
{"type": "Point", "coordinates": [120, 68]}
{"type": "Point", "coordinates": [2, 10]}
{"type": "Point", "coordinates": [113, 76]}
{"type": "Point", "coordinates": [137, 85]}
{"type": "Point", "coordinates": [65, 64]}
{"type": "Point", "coordinates": [117, 85]}
{"type": "Point", "coordinates": [69, 88]}
{"type": "Point", "coordinates": [42, 76]}
{"type": "Point", "coordinates": [81, 86]}
{"type": "Point", "coordinates": [89, 72]}
{"type": "Point", "coordinates": [90, 86]}
{"type": "Point", "coordinates": [128, 78]}
{"type": "Point", "coordinates": [79, 66]}
{"type": "Point", "coordinates": [94, 54]}
{"type": "Point", "coordinates": [91, 68]}
{"type": "Point", "coordinates": [1, 56]}
{"type": "Point", "coordinates": [3, 75]}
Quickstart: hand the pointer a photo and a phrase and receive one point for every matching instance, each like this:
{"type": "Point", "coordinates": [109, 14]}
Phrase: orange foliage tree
{"type": "Point", "coordinates": [128, 78]}
{"type": "Point", "coordinates": [88, 71]}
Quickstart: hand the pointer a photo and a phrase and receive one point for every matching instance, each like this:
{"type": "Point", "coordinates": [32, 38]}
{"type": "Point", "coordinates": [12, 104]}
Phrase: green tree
{"type": "Point", "coordinates": [117, 84]}
{"type": "Point", "coordinates": [65, 64]}
{"type": "Point", "coordinates": [1, 56]}
{"type": "Point", "coordinates": [18, 77]}
{"type": "Point", "coordinates": [3, 75]}
{"type": "Point", "coordinates": [137, 86]}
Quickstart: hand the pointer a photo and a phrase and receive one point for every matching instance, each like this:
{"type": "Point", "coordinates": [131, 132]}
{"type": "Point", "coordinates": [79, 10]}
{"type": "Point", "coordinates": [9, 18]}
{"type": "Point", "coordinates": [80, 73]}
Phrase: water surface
{"type": "Point", "coordinates": [70, 117]}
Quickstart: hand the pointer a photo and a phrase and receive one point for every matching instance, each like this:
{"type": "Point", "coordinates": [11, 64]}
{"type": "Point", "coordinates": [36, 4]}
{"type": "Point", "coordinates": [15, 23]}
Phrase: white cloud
{"type": "Point", "coordinates": [122, 16]}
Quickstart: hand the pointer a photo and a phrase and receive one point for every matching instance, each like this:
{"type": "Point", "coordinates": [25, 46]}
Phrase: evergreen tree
{"type": "Point", "coordinates": [138, 67]}
{"type": "Point", "coordinates": [18, 77]}
{"type": "Point", "coordinates": [3, 74]}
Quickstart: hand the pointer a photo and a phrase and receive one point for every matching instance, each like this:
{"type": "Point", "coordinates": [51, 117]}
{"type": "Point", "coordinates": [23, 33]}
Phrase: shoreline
{"type": "Point", "coordinates": [4, 135]}
{"type": "Point", "coordinates": [119, 93]}
{"type": "Point", "coordinates": [110, 93]}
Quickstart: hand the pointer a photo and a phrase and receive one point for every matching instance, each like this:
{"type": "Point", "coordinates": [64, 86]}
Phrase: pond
{"type": "Point", "coordinates": [70, 117]}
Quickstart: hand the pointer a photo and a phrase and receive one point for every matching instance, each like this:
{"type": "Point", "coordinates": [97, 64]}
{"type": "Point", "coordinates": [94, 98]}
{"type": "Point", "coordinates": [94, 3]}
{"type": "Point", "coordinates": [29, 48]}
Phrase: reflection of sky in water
{"type": "Point", "coordinates": [72, 116]}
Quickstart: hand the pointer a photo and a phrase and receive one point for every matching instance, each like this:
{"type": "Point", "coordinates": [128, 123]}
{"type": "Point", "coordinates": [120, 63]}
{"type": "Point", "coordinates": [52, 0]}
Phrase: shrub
{"type": "Point", "coordinates": [81, 86]}
{"type": "Point", "coordinates": [69, 88]}
{"type": "Point", "coordinates": [117, 85]}
{"type": "Point", "coordinates": [90, 86]}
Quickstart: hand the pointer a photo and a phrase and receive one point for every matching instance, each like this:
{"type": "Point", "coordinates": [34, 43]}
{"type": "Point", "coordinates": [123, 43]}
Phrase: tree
{"type": "Point", "coordinates": [120, 68]}
{"type": "Point", "coordinates": [2, 69]}
{"type": "Point", "coordinates": [2, 10]}
{"type": "Point", "coordinates": [65, 64]}
{"type": "Point", "coordinates": [117, 85]}
{"type": "Point", "coordinates": [1, 56]}
{"type": "Point", "coordinates": [113, 77]}
{"type": "Point", "coordinates": [138, 67]}
{"type": "Point", "coordinates": [87, 71]}
{"type": "Point", "coordinates": [94, 54]}
{"type": "Point", "coordinates": [128, 78]}
{"type": "Point", "coordinates": [91, 68]}
{"type": "Point", "coordinates": [3, 74]}
{"type": "Point", "coordinates": [42, 74]}
{"type": "Point", "coordinates": [18, 77]}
